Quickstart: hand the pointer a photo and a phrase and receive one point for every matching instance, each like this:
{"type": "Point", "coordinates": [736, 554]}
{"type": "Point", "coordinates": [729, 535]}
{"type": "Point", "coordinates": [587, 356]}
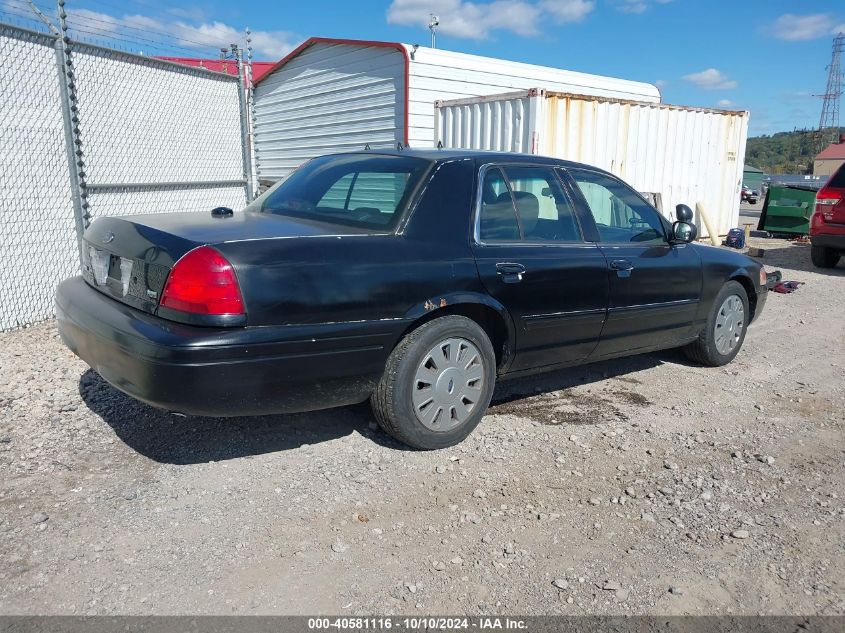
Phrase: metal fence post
{"type": "Point", "coordinates": [70, 114]}
{"type": "Point", "coordinates": [245, 139]}
{"type": "Point", "coordinates": [253, 156]}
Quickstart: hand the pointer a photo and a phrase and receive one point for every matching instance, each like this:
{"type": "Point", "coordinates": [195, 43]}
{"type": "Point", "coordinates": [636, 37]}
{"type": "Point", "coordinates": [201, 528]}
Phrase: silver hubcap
{"type": "Point", "coordinates": [730, 320]}
{"type": "Point", "coordinates": [448, 384]}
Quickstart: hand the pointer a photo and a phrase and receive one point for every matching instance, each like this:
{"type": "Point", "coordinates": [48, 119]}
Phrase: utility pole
{"type": "Point", "coordinates": [829, 120]}
{"type": "Point", "coordinates": [433, 23]}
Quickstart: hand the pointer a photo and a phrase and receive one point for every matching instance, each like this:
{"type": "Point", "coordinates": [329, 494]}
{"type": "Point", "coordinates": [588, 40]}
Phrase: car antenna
{"type": "Point", "coordinates": [439, 144]}
{"type": "Point", "coordinates": [366, 147]}
{"type": "Point", "coordinates": [399, 146]}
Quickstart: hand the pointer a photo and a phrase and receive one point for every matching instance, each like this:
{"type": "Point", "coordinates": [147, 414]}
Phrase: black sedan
{"type": "Point", "coordinates": [414, 279]}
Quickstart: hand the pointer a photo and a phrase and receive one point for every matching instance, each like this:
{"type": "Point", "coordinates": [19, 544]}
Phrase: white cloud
{"type": "Point", "coordinates": [206, 38]}
{"type": "Point", "coordinates": [637, 6]}
{"type": "Point", "coordinates": [802, 27]}
{"type": "Point", "coordinates": [838, 29]}
{"type": "Point", "coordinates": [724, 103]}
{"type": "Point", "coordinates": [476, 20]}
{"type": "Point", "coordinates": [188, 13]}
{"type": "Point", "coordinates": [568, 10]}
{"type": "Point", "coordinates": [711, 79]}
{"type": "Point", "coordinates": [661, 83]}
{"type": "Point", "coordinates": [633, 6]}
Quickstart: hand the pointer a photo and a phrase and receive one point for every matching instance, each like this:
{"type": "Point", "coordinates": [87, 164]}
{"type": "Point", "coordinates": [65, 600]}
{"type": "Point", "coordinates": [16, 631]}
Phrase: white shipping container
{"type": "Point", "coordinates": [684, 154]}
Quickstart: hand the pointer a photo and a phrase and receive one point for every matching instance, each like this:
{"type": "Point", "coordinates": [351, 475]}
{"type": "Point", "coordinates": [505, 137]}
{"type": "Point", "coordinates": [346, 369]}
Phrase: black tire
{"type": "Point", "coordinates": [703, 350]}
{"type": "Point", "coordinates": [824, 257]}
{"type": "Point", "coordinates": [392, 400]}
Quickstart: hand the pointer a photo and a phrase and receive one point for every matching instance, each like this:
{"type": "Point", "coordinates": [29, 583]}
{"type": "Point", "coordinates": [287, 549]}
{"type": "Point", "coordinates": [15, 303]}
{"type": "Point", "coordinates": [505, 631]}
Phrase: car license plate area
{"type": "Point", "coordinates": [108, 271]}
{"type": "Point", "coordinates": [131, 281]}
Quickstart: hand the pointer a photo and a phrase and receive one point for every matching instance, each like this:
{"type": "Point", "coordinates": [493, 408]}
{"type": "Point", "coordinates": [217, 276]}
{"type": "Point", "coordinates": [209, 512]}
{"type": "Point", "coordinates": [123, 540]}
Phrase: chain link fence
{"type": "Point", "coordinates": [156, 136]}
{"type": "Point", "coordinates": [87, 131]}
{"type": "Point", "coordinates": [38, 246]}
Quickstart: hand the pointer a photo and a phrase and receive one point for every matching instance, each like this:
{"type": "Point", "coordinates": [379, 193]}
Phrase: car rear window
{"type": "Point", "coordinates": [837, 179]}
{"type": "Point", "coordinates": [367, 191]}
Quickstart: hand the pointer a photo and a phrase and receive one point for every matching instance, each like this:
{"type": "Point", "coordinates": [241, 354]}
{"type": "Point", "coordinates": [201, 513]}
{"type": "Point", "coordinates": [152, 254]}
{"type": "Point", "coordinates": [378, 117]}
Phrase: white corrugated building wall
{"type": "Point", "coordinates": [332, 95]}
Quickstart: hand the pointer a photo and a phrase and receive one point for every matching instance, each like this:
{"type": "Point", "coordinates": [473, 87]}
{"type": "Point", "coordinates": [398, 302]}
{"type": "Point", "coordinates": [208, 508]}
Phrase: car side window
{"type": "Point", "coordinates": [497, 221]}
{"type": "Point", "coordinates": [620, 214]}
{"type": "Point", "coordinates": [525, 203]}
{"type": "Point", "coordinates": [545, 212]}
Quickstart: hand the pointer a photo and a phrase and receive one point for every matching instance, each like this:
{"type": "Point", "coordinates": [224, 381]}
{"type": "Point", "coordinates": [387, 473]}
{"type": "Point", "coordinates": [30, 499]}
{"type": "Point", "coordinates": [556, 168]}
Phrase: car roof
{"type": "Point", "coordinates": [481, 156]}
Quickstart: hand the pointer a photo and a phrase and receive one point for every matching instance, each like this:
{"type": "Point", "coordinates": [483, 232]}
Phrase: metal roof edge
{"type": "Point", "coordinates": [402, 48]}
{"type": "Point", "coordinates": [582, 97]}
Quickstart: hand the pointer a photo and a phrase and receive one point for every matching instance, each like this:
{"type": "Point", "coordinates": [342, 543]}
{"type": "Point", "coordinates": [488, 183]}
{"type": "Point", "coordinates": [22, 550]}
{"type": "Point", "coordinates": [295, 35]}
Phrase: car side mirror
{"type": "Point", "coordinates": [683, 213]}
{"type": "Point", "coordinates": [684, 232]}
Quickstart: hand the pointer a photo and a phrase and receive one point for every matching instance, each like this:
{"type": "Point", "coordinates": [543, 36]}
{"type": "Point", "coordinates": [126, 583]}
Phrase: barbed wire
{"type": "Point", "coordinates": [122, 7]}
{"type": "Point", "coordinates": [108, 37]}
{"type": "Point", "coordinates": [122, 26]}
{"type": "Point", "coordinates": [112, 30]}
{"type": "Point", "coordinates": [26, 19]}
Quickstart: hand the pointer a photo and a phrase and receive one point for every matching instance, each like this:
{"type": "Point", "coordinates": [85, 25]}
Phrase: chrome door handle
{"type": "Point", "coordinates": [510, 272]}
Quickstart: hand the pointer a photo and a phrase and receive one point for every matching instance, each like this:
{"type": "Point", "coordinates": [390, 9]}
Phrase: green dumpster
{"type": "Point", "coordinates": [787, 209]}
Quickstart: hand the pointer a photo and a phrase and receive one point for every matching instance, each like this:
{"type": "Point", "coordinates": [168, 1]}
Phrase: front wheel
{"type": "Point", "coordinates": [722, 337]}
{"type": "Point", "coordinates": [824, 257]}
{"type": "Point", "coordinates": [437, 383]}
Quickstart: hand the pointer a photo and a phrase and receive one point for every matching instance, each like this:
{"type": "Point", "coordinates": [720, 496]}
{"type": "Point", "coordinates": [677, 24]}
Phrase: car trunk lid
{"type": "Point", "coordinates": [130, 261]}
{"type": "Point", "coordinates": [130, 258]}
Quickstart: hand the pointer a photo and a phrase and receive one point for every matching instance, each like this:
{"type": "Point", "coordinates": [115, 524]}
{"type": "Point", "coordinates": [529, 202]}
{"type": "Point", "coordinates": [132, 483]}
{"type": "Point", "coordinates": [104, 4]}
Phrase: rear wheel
{"type": "Point", "coordinates": [437, 383]}
{"type": "Point", "coordinates": [722, 337]}
{"type": "Point", "coordinates": [824, 257]}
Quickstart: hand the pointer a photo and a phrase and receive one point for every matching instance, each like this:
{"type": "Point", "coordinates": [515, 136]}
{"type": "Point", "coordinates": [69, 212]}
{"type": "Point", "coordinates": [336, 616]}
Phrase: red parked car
{"type": "Point", "coordinates": [827, 225]}
{"type": "Point", "coordinates": [748, 195]}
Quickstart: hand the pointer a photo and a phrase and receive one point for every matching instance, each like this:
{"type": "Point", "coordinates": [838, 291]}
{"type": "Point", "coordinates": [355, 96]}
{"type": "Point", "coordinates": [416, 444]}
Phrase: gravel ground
{"type": "Point", "coordinates": [646, 485]}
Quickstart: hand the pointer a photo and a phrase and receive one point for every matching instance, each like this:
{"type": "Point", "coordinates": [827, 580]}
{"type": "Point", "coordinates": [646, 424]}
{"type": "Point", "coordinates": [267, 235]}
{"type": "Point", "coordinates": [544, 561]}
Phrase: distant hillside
{"type": "Point", "coordinates": [782, 153]}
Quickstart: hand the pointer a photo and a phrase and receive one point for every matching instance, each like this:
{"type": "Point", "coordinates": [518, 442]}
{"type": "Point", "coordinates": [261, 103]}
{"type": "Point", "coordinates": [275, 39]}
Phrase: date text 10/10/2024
{"type": "Point", "coordinates": [416, 623]}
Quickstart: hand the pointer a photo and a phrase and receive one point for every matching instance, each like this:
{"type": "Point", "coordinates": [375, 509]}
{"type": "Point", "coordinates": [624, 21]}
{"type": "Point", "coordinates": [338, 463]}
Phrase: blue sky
{"type": "Point", "coordinates": [767, 56]}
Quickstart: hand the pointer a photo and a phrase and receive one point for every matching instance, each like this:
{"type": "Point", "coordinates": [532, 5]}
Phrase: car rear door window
{"type": "Point", "coordinates": [837, 180]}
{"type": "Point", "coordinates": [525, 204]}
{"type": "Point", "coordinates": [619, 213]}
{"type": "Point", "coordinates": [497, 222]}
{"type": "Point", "coordinates": [545, 212]}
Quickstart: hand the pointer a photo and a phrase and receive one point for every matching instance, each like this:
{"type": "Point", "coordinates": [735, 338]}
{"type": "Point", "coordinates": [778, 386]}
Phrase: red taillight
{"type": "Point", "coordinates": [826, 199]}
{"type": "Point", "coordinates": [203, 282]}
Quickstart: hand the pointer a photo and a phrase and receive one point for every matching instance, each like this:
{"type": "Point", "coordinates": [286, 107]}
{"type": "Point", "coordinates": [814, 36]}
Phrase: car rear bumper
{"type": "Point", "coordinates": [829, 240]}
{"type": "Point", "coordinates": [222, 371]}
{"type": "Point", "coordinates": [825, 233]}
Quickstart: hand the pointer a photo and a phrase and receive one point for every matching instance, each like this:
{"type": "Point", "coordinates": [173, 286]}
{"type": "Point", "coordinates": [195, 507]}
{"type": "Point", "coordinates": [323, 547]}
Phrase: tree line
{"type": "Point", "coordinates": [784, 152]}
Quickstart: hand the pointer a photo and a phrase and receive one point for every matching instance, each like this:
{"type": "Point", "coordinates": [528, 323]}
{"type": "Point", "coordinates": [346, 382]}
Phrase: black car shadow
{"type": "Point", "coordinates": [173, 439]}
{"type": "Point", "coordinates": [170, 439]}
